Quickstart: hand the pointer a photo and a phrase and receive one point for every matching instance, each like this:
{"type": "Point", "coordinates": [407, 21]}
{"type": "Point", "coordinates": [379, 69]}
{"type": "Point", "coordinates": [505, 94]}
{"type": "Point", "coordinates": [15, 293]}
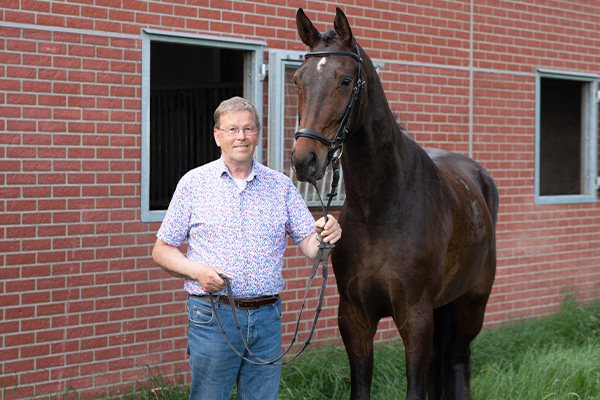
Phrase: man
{"type": "Point", "coordinates": [235, 214]}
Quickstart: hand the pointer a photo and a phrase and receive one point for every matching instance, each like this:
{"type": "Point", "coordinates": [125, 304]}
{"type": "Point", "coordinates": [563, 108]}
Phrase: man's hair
{"type": "Point", "coordinates": [236, 104]}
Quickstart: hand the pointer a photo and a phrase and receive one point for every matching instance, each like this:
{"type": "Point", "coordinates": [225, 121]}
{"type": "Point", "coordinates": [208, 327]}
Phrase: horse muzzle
{"type": "Point", "coordinates": [307, 164]}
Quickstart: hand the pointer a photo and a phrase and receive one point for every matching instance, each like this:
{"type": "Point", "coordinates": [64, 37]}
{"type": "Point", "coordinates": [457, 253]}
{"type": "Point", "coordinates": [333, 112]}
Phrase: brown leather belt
{"type": "Point", "coordinates": [244, 304]}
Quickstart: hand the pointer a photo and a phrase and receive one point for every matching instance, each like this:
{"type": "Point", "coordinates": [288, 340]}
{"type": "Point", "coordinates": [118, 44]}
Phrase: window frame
{"type": "Point", "coordinates": [253, 89]}
{"type": "Point", "coordinates": [278, 62]}
{"type": "Point", "coordinates": [589, 137]}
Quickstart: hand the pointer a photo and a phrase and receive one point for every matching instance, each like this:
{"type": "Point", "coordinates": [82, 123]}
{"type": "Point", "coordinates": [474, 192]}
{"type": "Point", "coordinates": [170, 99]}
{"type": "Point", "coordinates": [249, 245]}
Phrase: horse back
{"type": "Point", "coordinates": [466, 180]}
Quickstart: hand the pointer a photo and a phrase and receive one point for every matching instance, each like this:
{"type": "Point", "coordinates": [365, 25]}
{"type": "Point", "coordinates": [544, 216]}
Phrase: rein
{"type": "Point", "coordinates": [322, 254]}
{"type": "Point", "coordinates": [348, 121]}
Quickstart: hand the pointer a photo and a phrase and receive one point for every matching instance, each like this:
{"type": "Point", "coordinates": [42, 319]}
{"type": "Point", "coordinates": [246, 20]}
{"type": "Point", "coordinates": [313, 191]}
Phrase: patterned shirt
{"type": "Point", "coordinates": [243, 232]}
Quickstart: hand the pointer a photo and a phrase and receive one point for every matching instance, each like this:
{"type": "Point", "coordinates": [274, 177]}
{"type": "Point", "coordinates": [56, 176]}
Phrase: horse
{"type": "Point", "coordinates": [418, 224]}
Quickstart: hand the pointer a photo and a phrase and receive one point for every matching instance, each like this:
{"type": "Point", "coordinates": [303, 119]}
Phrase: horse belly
{"type": "Point", "coordinates": [464, 267]}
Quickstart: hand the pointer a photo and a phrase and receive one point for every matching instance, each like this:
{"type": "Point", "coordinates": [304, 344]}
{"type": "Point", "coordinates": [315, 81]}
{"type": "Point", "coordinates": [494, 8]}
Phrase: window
{"type": "Point", "coordinates": [184, 78]}
{"type": "Point", "coordinates": [566, 144]}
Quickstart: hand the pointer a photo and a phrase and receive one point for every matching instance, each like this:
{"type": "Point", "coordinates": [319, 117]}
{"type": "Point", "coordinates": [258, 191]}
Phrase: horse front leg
{"type": "Point", "coordinates": [417, 334]}
{"type": "Point", "coordinates": [357, 335]}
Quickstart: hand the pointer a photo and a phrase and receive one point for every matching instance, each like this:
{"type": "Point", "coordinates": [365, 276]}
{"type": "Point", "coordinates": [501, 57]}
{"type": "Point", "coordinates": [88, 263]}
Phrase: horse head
{"type": "Point", "coordinates": [331, 92]}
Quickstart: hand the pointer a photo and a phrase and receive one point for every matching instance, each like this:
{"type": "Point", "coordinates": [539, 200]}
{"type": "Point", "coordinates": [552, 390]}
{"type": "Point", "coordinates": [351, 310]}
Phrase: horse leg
{"type": "Point", "coordinates": [358, 330]}
{"type": "Point", "coordinates": [470, 318]}
{"type": "Point", "coordinates": [417, 334]}
{"type": "Point", "coordinates": [441, 381]}
{"type": "Point", "coordinates": [470, 311]}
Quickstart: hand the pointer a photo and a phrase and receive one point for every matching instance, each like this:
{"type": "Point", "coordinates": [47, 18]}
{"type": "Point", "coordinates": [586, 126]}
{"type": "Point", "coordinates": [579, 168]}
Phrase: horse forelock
{"type": "Point", "coordinates": [331, 38]}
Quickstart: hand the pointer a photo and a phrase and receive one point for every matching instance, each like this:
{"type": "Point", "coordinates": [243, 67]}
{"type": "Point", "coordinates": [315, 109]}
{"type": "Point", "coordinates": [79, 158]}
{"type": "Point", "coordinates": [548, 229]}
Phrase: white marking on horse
{"type": "Point", "coordinates": [321, 63]}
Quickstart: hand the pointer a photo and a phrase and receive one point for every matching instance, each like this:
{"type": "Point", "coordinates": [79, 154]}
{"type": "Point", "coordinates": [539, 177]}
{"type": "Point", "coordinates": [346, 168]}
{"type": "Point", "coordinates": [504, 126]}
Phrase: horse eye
{"type": "Point", "coordinates": [346, 81]}
{"type": "Point", "coordinates": [295, 81]}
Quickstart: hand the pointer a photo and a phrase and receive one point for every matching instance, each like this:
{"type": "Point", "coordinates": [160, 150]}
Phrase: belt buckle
{"type": "Point", "coordinates": [238, 304]}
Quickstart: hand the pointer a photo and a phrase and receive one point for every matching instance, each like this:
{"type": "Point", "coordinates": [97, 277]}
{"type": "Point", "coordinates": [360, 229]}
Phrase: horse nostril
{"type": "Point", "coordinates": [311, 162]}
{"type": "Point", "coordinates": [306, 164]}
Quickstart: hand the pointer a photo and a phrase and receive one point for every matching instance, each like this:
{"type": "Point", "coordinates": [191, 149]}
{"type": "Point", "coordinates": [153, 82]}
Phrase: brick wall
{"type": "Point", "coordinates": [84, 308]}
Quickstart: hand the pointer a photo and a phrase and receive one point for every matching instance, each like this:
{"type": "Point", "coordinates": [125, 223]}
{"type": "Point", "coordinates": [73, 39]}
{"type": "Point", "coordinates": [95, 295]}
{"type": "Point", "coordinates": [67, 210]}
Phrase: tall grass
{"type": "Point", "coordinates": [157, 387]}
{"type": "Point", "coordinates": [552, 358]}
{"type": "Point", "coordinates": [555, 358]}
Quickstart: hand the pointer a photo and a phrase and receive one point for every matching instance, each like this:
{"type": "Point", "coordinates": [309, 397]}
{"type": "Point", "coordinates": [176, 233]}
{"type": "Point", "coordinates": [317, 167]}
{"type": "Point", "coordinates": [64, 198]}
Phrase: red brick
{"type": "Point", "coordinates": [21, 72]}
{"type": "Point", "coordinates": [67, 88]}
{"type": "Point", "coordinates": [19, 286]}
{"type": "Point", "coordinates": [52, 100]}
{"type": "Point", "coordinates": [7, 301]}
{"type": "Point", "coordinates": [22, 126]}
{"type": "Point", "coordinates": [9, 355]}
{"type": "Point", "coordinates": [42, 191]}
{"type": "Point", "coordinates": [34, 351]}
{"type": "Point", "coordinates": [20, 259]}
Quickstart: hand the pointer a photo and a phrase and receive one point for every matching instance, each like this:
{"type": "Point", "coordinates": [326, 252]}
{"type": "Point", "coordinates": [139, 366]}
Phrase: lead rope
{"type": "Point", "coordinates": [322, 255]}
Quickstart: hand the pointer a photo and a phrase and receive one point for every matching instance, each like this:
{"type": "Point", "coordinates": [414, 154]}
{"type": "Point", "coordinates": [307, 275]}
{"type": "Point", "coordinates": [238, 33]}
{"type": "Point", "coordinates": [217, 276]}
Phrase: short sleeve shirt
{"type": "Point", "coordinates": [243, 232]}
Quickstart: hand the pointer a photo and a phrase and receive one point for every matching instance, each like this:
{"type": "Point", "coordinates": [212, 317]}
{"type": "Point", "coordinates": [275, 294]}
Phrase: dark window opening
{"type": "Point", "coordinates": [187, 83]}
{"type": "Point", "coordinates": [561, 131]}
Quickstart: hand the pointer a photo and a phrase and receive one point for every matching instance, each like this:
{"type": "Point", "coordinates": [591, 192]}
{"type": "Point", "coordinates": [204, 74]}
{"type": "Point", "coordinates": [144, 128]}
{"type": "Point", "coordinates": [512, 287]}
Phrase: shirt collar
{"type": "Point", "coordinates": [223, 169]}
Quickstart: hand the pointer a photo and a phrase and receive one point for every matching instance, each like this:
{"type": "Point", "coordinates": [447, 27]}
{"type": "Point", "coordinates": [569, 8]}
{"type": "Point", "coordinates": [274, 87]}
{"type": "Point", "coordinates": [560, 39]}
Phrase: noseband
{"type": "Point", "coordinates": [348, 124]}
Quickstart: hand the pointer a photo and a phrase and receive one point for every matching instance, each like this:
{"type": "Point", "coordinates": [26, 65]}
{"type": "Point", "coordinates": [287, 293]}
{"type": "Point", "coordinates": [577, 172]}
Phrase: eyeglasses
{"type": "Point", "coordinates": [234, 130]}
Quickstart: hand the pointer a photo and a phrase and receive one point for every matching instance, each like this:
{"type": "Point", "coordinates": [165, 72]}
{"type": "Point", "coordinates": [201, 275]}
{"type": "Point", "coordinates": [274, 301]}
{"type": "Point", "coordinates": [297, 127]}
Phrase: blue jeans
{"type": "Point", "coordinates": [216, 367]}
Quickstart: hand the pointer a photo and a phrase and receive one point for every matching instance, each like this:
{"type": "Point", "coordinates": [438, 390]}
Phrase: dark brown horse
{"type": "Point", "coordinates": [419, 224]}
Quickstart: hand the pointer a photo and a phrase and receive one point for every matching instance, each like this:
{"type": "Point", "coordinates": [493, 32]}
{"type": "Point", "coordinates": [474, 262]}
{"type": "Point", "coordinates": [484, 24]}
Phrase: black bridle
{"type": "Point", "coordinates": [349, 121]}
{"type": "Point", "coordinates": [347, 127]}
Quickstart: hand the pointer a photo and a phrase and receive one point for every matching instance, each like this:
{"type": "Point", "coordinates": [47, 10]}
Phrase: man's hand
{"type": "Point", "coordinates": [330, 231]}
{"type": "Point", "coordinates": [172, 260]}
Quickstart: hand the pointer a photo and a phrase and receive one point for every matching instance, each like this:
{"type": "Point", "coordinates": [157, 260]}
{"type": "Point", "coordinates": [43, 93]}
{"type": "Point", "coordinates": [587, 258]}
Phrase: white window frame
{"type": "Point", "coordinates": [589, 140]}
{"type": "Point", "coordinates": [252, 91]}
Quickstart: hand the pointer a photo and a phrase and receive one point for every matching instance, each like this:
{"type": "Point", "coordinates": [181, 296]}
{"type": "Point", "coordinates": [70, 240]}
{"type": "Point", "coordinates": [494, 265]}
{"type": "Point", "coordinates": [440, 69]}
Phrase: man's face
{"type": "Point", "coordinates": [237, 148]}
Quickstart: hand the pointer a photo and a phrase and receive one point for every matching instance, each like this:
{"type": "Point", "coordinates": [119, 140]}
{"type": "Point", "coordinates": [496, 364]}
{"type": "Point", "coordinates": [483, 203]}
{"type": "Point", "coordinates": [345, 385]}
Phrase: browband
{"type": "Point", "coordinates": [333, 53]}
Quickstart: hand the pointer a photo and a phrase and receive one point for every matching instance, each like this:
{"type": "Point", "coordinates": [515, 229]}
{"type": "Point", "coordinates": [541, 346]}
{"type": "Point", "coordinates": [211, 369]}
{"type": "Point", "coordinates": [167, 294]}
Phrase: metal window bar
{"type": "Point", "coordinates": [181, 135]}
{"type": "Point", "coordinates": [309, 193]}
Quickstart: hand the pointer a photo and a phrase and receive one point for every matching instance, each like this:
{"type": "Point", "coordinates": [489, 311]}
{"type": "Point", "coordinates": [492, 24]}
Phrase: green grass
{"type": "Point", "coordinates": [556, 358]}
{"type": "Point", "coordinates": [157, 387]}
{"type": "Point", "coordinates": [551, 358]}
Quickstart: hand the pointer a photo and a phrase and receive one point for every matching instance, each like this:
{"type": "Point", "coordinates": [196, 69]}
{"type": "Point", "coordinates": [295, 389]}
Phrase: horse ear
{"type": "Point", "coordinates": [307, 31]}
{"type": "Point", "coordinates": [342, 27]}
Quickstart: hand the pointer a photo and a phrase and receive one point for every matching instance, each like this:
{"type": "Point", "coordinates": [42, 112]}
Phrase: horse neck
{"type": "Point", "coordinates": [379, 148]}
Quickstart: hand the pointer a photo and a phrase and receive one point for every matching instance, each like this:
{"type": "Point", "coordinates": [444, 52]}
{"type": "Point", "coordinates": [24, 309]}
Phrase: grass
{"type": "Point", "coordinates": [158, 388]}
{"type": "Point", "coordinates": [555, 358]}
{"type": "Point", "coordinates": [552, 358]}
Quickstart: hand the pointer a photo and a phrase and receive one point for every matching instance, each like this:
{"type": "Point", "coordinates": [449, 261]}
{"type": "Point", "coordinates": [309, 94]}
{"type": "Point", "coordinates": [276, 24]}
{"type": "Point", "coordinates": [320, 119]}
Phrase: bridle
{"type": "Point", "coordinates": [349, 121]}
{"type": "Point", "coordinates": [347, 127]}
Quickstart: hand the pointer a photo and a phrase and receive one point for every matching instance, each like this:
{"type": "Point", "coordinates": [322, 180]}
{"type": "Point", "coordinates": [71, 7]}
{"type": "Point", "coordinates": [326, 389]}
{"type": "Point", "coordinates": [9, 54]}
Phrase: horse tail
{"type": "Point", "coordinates": [441, 373]}
{"type": "Point", "coordinates": [490, 193]}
